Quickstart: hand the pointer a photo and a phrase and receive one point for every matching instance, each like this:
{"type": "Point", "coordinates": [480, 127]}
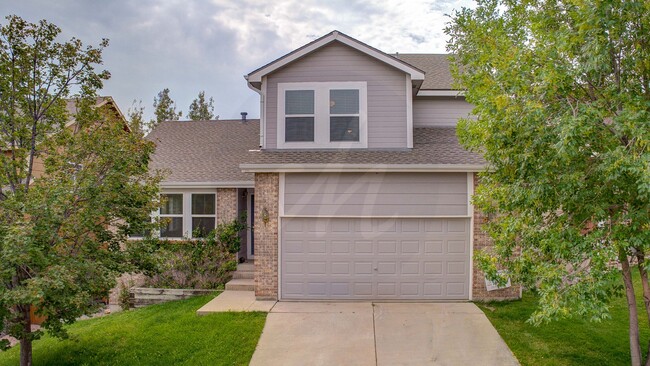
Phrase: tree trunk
{"type": "Point", "coordinates": [635, 346]}
{"type": "Point", "coordinates": [646, 292]}
{"type": "Point", "coordinates": [26, 341]}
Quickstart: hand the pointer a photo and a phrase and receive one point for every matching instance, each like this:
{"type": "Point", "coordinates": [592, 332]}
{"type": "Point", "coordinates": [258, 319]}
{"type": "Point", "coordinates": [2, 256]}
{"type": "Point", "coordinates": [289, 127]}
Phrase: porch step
{"type": "Point", "coordinates": [246, 267]}
{"type": "Point", "coordinates": [241, 284]}
{"type": "Point", "coordinates": [245, 274]}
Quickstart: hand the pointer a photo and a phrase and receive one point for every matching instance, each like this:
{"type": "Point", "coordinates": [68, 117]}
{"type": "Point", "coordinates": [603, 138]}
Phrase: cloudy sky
{"type": "Point", "coordinates": [194, 45]}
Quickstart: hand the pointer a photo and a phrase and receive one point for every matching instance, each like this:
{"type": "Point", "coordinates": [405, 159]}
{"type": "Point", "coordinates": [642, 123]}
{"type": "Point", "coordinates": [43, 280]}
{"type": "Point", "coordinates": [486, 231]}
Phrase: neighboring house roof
{"type": "Point", "coordinates": [434, 148]}
{"type": "Point", "coordinates": [71, 107]}
{"type": "Point", "coordinates": [436, 68]}
{"type": "Point", "coordinates": [202, 152]}
{"type": "Point", "coordinates": [255, 77]}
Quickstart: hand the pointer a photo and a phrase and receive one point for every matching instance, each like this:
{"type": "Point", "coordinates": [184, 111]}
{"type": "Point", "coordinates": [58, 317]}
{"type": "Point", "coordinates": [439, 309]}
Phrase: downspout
{"type": "Point", "coordinates": [262, 119]}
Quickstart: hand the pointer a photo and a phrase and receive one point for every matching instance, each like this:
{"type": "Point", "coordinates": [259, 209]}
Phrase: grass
{"type": "Point", "coordinates": [567, 342]}
{"type": "Point", "coordinates": [165, 334]}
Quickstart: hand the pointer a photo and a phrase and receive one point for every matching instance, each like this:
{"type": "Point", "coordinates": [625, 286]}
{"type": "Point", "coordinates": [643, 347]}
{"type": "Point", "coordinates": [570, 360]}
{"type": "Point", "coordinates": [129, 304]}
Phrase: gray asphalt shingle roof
{"type": "Point", "coordinates": [204, 151]}
{"type": "Point", "coordinates": [212, 151]}
{"type": "Point", "coordinates": [431, 146]}
{"type": "Point", "coordinates": [436, 67]}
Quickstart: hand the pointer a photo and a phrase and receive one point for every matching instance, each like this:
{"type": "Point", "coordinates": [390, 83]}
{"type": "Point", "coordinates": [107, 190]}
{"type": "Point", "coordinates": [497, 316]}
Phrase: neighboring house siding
{"type": "Point", "coordinates": [337, 62]}
{"type": "Point", "coordinates": [439, 111]}
{"type": "Point", "coordinates": [38, 169]}
{"type": "Point", "coordinates": [376, 194]}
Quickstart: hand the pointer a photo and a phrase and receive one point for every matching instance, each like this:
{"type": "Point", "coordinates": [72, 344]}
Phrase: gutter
{"type": "Point", "coordinates": [234, 184]}
{"type": "Point", "coordinates": [262, 124]}
{"type": "Point", "coordinates": [335, 168]}
{"type": "Point", "coordinates": [440, 93]}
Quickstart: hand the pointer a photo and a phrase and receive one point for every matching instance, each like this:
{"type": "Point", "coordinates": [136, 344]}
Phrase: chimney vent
{"type": "Point", "coordinates": [243, 116]}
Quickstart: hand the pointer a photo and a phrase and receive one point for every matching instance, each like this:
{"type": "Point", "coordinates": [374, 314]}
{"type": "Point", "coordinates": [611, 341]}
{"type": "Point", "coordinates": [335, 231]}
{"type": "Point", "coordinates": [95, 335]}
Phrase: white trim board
{"type": "Point", "coordinates": [376, 217]}
{"type": "Point", "coordinates": [470, 212]}
{"type": "Point", "coordinates": [335, 168]}
{"type": "Point", "coordinates": [409, 113]}
{"type": "Point", "coordinates": [440, 93]}
{"type": "Point", "coordinates": [207, 185]}
{"type": "Point", "coordinates": [256, 76]}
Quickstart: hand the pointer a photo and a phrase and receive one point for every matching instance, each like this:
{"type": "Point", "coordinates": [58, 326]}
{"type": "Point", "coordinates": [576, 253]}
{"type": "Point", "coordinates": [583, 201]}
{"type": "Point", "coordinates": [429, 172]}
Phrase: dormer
{"type": "Point", "coordinates": [336, 93]}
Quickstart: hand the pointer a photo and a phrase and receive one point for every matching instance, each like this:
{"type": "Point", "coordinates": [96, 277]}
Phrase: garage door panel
{"type": "Point", "coordinates": [368, 208]}
{"type": "Point", "coordinates": [340, 247]}
{"type": "Point", "coordinates": [385, 264]}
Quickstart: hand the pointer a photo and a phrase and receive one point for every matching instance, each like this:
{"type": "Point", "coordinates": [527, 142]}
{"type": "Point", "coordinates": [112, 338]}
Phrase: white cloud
{"type": "Point", "coordinates": [193, 45]}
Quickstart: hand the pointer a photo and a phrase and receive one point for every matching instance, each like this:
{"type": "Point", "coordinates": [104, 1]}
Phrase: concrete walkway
{"type": "Point", "coordinates": [318, 333]}
{"type": "Point", "coordinates": [235, 301]}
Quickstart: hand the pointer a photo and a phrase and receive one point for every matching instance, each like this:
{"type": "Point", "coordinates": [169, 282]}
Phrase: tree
{"type": "Point", "coordinates": [71, 190]}
{"type": "Point", "coordinates": [135, 117]}
{"type": "Point", "coordinates": [200, 110]}
{"type": "Point", "coordinates": [562, 96]}
{"type": "Point", "coordinates": [165, 107]}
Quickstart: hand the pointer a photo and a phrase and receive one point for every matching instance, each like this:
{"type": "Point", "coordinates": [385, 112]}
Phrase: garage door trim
{"type": "Point", "coordinates": [470, 216]}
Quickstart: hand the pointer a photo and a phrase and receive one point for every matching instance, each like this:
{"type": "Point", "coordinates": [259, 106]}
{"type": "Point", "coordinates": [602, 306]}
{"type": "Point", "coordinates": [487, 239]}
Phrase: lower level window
{"type": "Point", "coordinates": [187, 214]}
{"type": "Point", "coordinates": [171, 214]}
{"type": "Point", "coordinates": [203, 214]}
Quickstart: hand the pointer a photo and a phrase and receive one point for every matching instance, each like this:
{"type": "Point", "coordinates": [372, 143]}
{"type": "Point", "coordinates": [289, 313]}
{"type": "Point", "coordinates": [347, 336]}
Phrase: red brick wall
{"type": "Point", "coordinates": [266, 235]}
{"type": "Point", "coordinates": [226, 204]}
{"type": "Point", "coordinates": [482, 241]}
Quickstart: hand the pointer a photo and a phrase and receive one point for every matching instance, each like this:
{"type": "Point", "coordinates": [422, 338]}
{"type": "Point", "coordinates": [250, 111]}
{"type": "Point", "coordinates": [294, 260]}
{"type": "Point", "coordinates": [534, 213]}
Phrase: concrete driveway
{"type": "Point", "coordinates": [317, 333]}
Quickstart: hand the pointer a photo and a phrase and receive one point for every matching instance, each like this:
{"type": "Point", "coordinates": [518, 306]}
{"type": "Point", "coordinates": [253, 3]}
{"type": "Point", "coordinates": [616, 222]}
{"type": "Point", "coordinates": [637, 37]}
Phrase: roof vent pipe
{"type": "Point", "coordinates": [243, 116]}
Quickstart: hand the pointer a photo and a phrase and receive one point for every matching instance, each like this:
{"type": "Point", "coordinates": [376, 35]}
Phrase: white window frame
{"type": "Point", "coordinates": [181, 215]}
{"type": "Point", "coordinates": [187, 212]}
{"type": "Point", "coordinates": [322, 115]}
{"type": "Point", "coordinates": [191, 215]}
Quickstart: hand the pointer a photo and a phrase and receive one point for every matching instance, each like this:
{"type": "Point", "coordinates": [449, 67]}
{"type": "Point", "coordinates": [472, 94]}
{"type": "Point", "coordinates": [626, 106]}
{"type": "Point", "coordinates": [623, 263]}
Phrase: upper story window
{"type": "Point", "coordinates": [322, 115]}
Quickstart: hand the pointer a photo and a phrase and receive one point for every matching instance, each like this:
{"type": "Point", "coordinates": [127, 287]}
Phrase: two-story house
{"type": "Point", "coordinates": [353, 178]}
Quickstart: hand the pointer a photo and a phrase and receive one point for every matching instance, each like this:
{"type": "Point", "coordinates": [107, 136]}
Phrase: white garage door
{"type": "Point", "coordinates": [378, 259]}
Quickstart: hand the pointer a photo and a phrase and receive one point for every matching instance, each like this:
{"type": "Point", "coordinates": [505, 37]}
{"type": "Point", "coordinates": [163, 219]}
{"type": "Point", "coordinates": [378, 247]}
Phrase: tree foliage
{"type": "Point", "coordinates": [562, 96]}
{"type": "Point", "coordinates": [135, 118]}
{"type": "Point", "coordinates": [200, 109]}
{"type": "Point", "coordinates": [73, 181]}
{"type": "Point", "coordinates": [165, 108]}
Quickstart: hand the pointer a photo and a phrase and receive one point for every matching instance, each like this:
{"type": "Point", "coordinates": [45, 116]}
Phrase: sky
{"type": "Point", "coordinates": [198, 45]}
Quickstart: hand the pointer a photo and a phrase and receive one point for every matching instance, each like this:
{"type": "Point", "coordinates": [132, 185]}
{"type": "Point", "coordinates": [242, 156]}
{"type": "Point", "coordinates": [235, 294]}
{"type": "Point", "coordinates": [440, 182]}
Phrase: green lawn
{"type": "Point", "coordinates": [166, 334]}
{"type": "Point", "coordinates": [568, 342]}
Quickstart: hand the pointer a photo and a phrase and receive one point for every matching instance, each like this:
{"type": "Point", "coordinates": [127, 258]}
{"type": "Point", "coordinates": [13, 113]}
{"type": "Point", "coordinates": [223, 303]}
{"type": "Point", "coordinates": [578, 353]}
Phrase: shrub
{"type": "Point", "coordinates": [124, 296]}
{"type": "Point", "coordinates": [203, 263]}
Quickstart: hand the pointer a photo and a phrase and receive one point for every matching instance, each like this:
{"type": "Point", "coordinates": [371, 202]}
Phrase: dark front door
{"type": "Point", "coordinates": [252, 213]}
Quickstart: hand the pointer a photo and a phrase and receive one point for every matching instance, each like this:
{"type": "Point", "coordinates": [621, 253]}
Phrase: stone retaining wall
{"type": "Point", "coordinates": [142, 296]}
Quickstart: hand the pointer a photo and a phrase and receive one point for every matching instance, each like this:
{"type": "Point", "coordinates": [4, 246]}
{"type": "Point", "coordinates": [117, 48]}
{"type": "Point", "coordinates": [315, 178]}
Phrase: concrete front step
{"type": "Point", "coordinates": [245, 267]}
{"type": "Point", "coordinates": [241, 284]}
{"type": "Point", "coordinates": [239, 274]}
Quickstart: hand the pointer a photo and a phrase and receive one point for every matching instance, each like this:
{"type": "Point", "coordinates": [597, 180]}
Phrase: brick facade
{"type": "Point", "coordinates": [226, 204]}
{"type": "Point", "coordinates": [267, 187]}
{"type": "Point", "coordinates": [482, 241]}
{"type": "Point", "coordinates": [266, 243]}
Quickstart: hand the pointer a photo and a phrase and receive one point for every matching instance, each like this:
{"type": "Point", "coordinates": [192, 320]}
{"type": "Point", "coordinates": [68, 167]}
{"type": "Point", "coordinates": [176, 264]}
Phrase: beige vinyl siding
{"type": "Point", "coordinates": [439, 111]}
{"type": "Point", "coordinates": [338, 62]}
{"type": "Point", "coordinates": [375, 194]}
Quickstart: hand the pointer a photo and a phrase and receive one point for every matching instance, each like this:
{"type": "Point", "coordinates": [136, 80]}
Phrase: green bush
{"type": "Point", "coordinates": [192, 263]}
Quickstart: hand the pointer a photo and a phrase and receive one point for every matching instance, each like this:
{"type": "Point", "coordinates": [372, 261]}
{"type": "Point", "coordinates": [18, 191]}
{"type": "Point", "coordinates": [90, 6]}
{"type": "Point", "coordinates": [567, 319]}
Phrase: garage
{"type": "Point", "coordinates": [374, 236]}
